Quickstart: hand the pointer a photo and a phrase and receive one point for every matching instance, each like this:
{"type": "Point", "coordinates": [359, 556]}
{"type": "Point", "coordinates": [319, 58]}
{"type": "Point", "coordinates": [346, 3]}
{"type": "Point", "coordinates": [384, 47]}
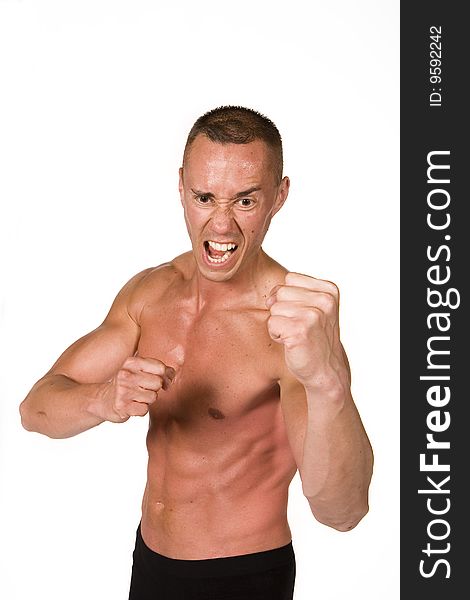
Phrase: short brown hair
{"type": "Point", "coordinates": [238, 125]}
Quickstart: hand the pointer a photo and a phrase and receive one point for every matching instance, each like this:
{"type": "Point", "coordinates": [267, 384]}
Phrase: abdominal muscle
{"type": "Point", "coordinates": [217, 487]}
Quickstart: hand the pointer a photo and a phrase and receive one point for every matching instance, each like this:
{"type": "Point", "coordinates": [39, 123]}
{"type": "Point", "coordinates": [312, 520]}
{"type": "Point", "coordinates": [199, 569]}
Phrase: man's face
{"type": "Point", "coordinates": [229, 193]}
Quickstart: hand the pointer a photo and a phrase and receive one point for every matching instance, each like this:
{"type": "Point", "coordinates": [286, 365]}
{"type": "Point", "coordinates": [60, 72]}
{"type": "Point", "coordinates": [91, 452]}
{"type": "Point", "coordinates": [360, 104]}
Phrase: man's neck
{"type": "Point", "coordinates": [244, 286]}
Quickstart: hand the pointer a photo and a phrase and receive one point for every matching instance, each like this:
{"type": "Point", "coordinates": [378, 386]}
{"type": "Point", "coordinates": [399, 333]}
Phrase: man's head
{"type": "Point", "coordinates": [239, 125]}
{"type": "Point", "coordinates": [231, 185]}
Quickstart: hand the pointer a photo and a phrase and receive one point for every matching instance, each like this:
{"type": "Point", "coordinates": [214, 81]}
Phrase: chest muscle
{"type": "Point", "coordinates": [225, 362]}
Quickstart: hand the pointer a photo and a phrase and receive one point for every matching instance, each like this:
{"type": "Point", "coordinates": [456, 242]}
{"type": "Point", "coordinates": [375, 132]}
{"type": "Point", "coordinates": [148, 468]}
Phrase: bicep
{"type": "Point", "coordinates": [294, 410]}
{"type": "Point", "coordinates": [96, 356]}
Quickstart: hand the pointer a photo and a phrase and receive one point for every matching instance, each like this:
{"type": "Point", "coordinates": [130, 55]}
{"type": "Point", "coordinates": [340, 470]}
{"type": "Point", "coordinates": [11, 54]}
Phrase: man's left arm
{"type": "Point", "coordinates": [332, 449]}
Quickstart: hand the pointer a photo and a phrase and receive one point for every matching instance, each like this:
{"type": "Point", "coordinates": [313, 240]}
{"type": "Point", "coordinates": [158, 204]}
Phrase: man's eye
{"type": "Point", "coordinates": [245, 202]}
{"type": "Point", "coordinates": [203, 199]}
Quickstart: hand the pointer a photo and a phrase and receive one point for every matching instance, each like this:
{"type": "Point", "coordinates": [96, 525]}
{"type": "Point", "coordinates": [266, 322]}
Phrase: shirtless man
{"type": "Point", "coordinates": [240, 367]}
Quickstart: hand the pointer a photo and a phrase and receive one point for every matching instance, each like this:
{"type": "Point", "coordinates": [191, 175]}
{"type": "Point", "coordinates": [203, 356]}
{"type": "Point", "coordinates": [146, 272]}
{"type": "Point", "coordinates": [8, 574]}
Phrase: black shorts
{"type": "Point", "coordinates": [268, 575]}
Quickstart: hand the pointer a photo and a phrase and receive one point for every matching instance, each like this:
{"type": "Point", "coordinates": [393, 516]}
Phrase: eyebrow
{"type": "Point", "coordinates": [237, 195]}
{"type": "Point", "coordinates": [247, 192]}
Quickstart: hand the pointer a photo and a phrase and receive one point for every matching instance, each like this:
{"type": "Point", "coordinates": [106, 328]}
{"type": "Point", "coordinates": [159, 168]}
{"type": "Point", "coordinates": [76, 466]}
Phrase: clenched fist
{"type": "Point", "coordinates": [304, 318]}
{"type": "Point", "coordinates": [134, 388]}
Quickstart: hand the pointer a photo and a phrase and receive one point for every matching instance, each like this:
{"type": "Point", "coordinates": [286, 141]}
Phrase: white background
{"type": "Point", "coordinates": [96, 99]}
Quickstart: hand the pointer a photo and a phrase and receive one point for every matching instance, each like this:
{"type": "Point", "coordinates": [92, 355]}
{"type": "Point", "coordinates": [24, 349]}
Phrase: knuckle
{"type": "Point", "coordinates": [334, 289]}
{"type": "Point", "coordinates": [133, 411]}
{"type": "Point", "coordinates": [123, 376]}
{"type": "Point", "coordinates": [272, 321]}
{"type": "Point", "coordinates": [273, 327]}
{"type": "Point", "coordinates": [120, 376]}
{"type": "Point", "coordinates": [301, 329]}
{"type": "Point", "coordinates": [274, 310]}
{"type": "Point", "coordinates": [119, 405]}
{"type": "Point", "coordinates": [291, 278]}
{"type": "Point", "coordinates": [153, 383]}
{"type": "Point", "coordinates": [142, 410]}
{"type": "Point", "coordinates": [329, 301]}
{"type": "Point", "coordinates": [151, 397]}
{"type": "Point", "coordinates": [153, 367]}
{"type": "Point", "coordinates": [137, 409]}
{"type": "Point", "coordinates": [161, 369]}
{"type": "Point", "coordinates": [313, 316]}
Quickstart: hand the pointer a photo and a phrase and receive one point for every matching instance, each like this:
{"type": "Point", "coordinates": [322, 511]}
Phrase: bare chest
{"type": "Point", "coordinates": [226, 364]}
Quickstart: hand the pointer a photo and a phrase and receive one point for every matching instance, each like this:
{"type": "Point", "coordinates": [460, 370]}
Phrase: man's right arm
{"type": "Point", "coordinates": [98, 378]}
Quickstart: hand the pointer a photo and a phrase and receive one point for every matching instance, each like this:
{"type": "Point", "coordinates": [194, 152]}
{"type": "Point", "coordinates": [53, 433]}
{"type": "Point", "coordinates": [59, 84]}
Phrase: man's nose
{"type": "Point", "coordinates": [222, 219]}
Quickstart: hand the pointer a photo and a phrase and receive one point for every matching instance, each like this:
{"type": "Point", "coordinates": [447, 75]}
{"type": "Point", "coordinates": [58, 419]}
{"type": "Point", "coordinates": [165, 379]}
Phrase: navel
{"type": "Point", "coordinates": [215, 414]}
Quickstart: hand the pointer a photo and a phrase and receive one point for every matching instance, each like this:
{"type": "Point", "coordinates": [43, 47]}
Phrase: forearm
{"type": "Point", "coordinates": [337, 459]}
{"type": "Point", "coordinates": [59, 407]}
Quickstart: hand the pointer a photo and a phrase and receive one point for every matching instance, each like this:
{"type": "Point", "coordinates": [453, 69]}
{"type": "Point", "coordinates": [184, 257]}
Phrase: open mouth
{"type": "Point", "coordinates": [218, 253]}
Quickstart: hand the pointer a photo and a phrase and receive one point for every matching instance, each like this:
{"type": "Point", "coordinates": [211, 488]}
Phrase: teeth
{"type": "Point", "coordinates": [222, 247]}
{"type": "Point", "coordinates": [222, 259]}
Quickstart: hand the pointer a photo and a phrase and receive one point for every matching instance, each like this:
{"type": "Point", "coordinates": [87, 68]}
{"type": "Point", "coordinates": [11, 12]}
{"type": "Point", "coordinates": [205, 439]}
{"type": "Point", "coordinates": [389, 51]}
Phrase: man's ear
{"type": "Point", "coordinates": [282, 193]}
{"type": "Point", "coordinates": [180, 184]}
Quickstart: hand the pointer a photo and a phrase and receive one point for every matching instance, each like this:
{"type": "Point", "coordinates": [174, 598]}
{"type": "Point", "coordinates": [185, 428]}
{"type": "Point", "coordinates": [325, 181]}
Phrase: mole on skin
{"type": "Point", "coordinates": [215, 414]}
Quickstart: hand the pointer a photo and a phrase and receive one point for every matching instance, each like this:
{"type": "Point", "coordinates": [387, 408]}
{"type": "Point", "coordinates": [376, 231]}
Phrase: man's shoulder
{"type": "Point", "coordinates": [153, 282]}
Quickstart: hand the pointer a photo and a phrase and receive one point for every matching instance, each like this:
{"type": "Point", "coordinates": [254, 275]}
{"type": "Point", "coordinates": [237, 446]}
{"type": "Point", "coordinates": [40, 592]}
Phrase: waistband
{"type": "Point", "coordinates": [214, 567]}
